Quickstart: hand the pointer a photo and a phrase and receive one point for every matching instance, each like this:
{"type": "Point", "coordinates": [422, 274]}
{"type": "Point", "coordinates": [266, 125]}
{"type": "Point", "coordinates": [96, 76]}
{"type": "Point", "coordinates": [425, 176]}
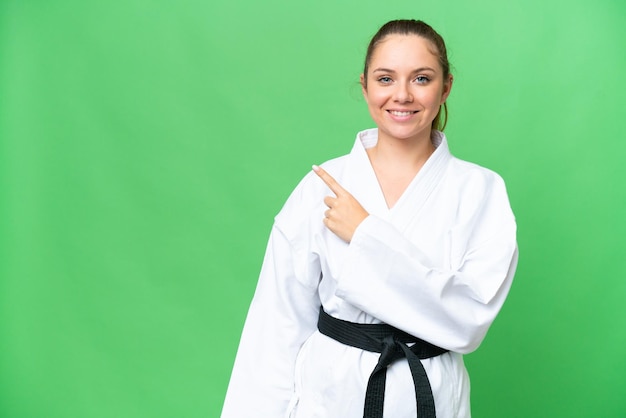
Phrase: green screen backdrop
{"type": "Point", "coordinates": [145, 146]}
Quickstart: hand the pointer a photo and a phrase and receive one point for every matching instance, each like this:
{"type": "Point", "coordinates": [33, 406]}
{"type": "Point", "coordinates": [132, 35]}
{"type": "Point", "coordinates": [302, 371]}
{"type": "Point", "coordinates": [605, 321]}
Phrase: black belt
{"type": "Point", "coordinates": [392, 344]}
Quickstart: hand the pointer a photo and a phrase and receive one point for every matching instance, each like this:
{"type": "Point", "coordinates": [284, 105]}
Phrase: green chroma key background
{"type": "Point", "coordinates": [145, 147]}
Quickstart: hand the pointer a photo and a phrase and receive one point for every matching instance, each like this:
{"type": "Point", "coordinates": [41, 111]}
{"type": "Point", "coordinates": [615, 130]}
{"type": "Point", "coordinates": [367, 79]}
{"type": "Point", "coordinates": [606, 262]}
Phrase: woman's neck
{"type": "Point", "coordinates": [401, 154]}
{"type": "Point", "coordinates": [396, 162]}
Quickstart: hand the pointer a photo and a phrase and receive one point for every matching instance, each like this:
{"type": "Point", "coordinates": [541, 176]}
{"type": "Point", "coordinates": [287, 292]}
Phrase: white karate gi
{"type": "Point", "coordinates": [437, 265]}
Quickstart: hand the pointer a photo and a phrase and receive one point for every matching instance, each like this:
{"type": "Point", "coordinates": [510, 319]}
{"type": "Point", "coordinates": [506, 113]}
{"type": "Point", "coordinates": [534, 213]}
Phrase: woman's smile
{"type": "Point", "coordinates": [401, 115]}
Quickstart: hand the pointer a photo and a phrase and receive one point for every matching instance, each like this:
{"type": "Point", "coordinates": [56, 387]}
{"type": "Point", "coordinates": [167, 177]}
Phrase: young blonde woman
{"type": "Point", "coordinates": [385, 265]}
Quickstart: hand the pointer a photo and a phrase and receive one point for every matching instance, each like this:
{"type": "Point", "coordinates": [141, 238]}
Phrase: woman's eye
{"type": "Point", "coordinates": [422, 79]}
{"type": "Point", "coordinates": [385, 80]}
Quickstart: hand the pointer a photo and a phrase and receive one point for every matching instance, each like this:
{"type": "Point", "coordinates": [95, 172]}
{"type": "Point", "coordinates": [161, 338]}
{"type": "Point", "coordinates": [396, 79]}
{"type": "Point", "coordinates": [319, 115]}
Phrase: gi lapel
{"type": "Point", "coordinates": [408, 207]}
{"type": "Point", "coordinates": [360, 179]}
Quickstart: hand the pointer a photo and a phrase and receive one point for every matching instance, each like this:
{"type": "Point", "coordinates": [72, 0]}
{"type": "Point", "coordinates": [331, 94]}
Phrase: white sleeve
{"type": "Point", "coordinates": [387, 276]}
{"type": "Point", "coordinates": [282, 315]}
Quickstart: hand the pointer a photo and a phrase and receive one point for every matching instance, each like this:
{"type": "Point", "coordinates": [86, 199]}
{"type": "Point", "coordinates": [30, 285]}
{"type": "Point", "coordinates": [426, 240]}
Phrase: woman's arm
{"type": "Point", "coordinates": [389, 277]}
{"type": "Point", "coordinates": [282, 315]}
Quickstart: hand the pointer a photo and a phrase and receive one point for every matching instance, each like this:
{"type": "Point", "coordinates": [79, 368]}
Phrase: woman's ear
{"type": "Point", "coordinates": [363, 84]}
{"type": "Point", "coordinates": [447, 87]}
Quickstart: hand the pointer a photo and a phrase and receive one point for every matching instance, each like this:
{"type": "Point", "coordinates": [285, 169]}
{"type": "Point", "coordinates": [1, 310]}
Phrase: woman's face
{"type": "Point", "coordinates": [405, 87]}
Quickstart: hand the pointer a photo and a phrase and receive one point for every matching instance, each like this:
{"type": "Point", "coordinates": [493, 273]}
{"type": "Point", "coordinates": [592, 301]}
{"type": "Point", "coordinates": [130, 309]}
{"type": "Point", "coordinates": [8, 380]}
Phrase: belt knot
{"type": "Point", "coordinates": [391, 343]}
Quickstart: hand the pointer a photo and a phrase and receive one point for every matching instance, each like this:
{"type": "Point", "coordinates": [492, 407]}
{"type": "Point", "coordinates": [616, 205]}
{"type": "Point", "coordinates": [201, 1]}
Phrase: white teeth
{"type": "Point", "coordinates": [397, 113]}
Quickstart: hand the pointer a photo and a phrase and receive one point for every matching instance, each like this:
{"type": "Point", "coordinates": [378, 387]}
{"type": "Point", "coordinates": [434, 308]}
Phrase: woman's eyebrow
{"type": "Point", "coordinates": [417, 70]}
{"type": "Point", "coordinates": [384, 70]}
{"type": "Point", "coordinates": [422, 69]}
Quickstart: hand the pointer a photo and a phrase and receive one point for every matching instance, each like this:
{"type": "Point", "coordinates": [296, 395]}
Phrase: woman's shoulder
{"type": "Point", "coordinates": [476, 188]}
{"type": "Point", "coordinates": [480, 192]}
{"type": "Point", "coordinates": [466, 172]}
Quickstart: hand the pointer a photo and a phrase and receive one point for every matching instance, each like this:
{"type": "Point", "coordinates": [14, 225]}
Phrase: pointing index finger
{"type": "Point", "coordinates": [329, 180]}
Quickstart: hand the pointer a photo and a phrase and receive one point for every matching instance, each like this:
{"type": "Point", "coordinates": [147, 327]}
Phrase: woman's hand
{"type": "Point", "coordinates": [344, 212]}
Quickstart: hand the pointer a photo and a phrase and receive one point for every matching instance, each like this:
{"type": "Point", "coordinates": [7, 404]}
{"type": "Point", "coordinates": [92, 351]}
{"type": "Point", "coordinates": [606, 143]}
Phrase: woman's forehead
{"type": "Point", "coordinates": [405, 50]}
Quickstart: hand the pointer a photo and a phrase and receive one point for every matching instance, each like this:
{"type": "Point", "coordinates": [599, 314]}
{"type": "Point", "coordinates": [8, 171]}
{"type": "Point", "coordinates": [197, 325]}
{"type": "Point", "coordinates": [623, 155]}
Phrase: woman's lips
{"type": "Point", "coordinates": [401, 115]}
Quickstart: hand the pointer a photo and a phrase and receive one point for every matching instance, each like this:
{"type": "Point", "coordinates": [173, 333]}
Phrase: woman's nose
{"type": "Point", "coordinates": [402, 94]}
